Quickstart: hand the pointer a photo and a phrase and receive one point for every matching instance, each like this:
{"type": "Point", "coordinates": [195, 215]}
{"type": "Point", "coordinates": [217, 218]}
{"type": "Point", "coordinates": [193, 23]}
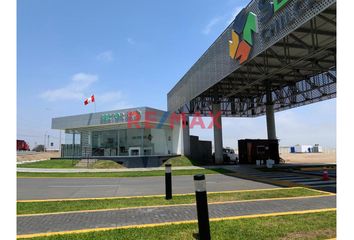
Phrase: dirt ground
{"type": "Point", "coordinates": [36, 156]}
{"type": "Point", "coordinates": [311, 158]}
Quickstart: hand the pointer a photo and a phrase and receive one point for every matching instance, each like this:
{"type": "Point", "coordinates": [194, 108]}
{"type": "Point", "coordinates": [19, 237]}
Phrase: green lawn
{"type": "Point", "coordinates": [126, 174]}
{"type": "Point", "coordinates": [50, 164]}
{"type": "Point", "coordinates": [76, 205]}
{"type": "Point", "coordinates": [182, 161]}
{"type": "Point", "coordinates": [305, 226]}
{"type": "Point", "coordinates": [106, 164]}
{"type": "Point", "coordinates": [100, 164]}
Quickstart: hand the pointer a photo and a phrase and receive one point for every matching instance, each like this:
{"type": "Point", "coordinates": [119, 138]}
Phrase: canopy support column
{"type": "Point", "coordinates": [270, 116]}
{"type": "Point", "coordinates": [218, 145]}
{"type": "Point", "coordinates": [186, 149]}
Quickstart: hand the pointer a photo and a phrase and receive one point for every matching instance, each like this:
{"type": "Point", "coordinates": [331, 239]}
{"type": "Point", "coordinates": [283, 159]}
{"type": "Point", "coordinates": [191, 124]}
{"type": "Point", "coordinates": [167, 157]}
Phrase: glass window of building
{"type": "Point", "coordinates": [72, 144]}
{"type": "Point", "coordinates": [105, 143]}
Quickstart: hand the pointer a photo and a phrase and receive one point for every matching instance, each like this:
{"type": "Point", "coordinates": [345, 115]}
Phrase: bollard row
{"type": "Point", "coordinates": [201, 201]}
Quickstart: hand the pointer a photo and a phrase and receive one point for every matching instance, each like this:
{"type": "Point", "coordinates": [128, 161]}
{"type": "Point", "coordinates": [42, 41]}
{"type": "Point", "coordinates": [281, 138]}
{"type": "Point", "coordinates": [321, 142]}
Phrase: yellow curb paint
{"type": "Point", "coordinates": [175, 223]}
{"type": "Point", "coordinates": [161, 195]}
{"type": "Point", "coordinates": [320, 191]}
{"type": "Point", "coordinates": [172, 205]}
{"type": "Point", "coordinates": [274, 214]}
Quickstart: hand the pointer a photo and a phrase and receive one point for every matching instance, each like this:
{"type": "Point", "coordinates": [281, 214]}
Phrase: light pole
{"type": "Point", "coordinates": [45, 137]}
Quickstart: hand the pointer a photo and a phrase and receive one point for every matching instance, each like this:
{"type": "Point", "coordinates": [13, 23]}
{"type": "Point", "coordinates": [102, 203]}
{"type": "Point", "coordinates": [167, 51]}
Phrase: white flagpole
{"type": "Point", "coordinates": [94, 101]}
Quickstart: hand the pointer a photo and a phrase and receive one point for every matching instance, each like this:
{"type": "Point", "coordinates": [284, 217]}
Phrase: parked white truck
{"type": "Point", "coordinates": [229, 155]}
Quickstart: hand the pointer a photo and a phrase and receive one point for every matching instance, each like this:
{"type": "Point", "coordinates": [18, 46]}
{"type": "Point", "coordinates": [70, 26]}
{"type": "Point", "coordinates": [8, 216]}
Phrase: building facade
{"type": "Point", "coordinates": [135, 132]}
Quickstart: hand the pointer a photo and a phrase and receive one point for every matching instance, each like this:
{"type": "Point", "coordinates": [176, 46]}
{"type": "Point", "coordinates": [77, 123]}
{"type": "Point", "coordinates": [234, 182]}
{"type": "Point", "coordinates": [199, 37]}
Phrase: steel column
{"type": "Point", "coordinates": [270, 114]}
{"type": "Point", "coordinates": [217, 134]}
{"type": "Point", "coordinates": [185, 137]}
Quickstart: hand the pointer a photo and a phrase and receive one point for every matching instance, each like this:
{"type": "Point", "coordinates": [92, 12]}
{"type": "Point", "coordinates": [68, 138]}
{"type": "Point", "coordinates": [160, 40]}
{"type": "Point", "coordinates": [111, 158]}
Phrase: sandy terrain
{"type": "Point", "coordinates": [310, 158]}
{"type": "Point", "coordinates": [313, 158]}
{"type": "Point", "coordinates": [36, 156]}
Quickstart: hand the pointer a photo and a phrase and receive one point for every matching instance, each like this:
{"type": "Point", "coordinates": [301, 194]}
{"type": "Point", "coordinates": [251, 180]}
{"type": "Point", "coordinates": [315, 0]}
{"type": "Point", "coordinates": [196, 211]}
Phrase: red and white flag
{"type": "Point", "coordinates": [89, 100]}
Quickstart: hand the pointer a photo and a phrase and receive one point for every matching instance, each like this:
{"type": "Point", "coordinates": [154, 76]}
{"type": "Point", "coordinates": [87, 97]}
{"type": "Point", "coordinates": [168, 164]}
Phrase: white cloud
{"type": "Point", "coordinates": [109, 96]}
{"type": "Point", "coordinates": [75, 90]}
{"type": "Point", "coordinates": [236, 11]}
{"type": "Point", "coordinates": [82, 81]}
{"type": "Point", "coordinates": [112, 100]}
{"type": "Point", "coordinates": [121, 105]}
{"type": "Point", "coordinates": [219, 20]}
{"type": "Point", "coordinates": [131, 41]}
{"type": "Point", "coordinates": [80, 87]}
{"type": "Point", "coordinates": [106, 56]}
{"type": "Point", "coordinates": [212, 23]}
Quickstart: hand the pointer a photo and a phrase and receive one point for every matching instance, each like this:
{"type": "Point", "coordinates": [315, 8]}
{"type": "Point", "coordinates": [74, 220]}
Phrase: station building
{"type": "Point", "coordinates": [140, 133]}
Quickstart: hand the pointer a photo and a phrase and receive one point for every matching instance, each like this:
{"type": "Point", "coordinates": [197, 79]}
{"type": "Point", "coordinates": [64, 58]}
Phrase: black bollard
{"type": "Point", "coordinates": [168, 182]}
{"type": "Point", "coordinates": [202, 207]}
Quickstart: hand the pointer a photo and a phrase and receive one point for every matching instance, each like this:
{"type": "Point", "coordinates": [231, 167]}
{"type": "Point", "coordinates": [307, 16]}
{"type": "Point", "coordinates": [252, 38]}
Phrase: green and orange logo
{"type": "Point", "coordinates": [246, 24]}
{"type": "Point", "coordinates": [242, 36]}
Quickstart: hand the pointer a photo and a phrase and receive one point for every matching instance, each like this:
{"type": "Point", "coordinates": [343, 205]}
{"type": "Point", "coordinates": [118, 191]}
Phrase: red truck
{"type": "Point", "coordinates": [22, 145]}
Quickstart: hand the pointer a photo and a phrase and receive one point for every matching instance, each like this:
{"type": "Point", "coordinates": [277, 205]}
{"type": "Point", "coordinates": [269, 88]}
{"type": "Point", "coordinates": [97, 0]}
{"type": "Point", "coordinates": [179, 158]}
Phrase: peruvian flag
{"type": "Point", "coordinates": [89, 100]}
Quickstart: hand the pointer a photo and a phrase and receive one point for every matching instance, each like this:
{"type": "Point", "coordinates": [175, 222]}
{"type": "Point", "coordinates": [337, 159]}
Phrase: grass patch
{"type": "Point", "coordinates": [305, 226]}
{"type": "Point", "coordinates": [106, 164]}
{"type": "Point", "coordinates": [76, 205]}
{"type": "Point", "coordinates": [126, 174]}
{"type": "Point", "coordinates": [182, 161]}
{"type": "Point", "coordinates": [50, 164]}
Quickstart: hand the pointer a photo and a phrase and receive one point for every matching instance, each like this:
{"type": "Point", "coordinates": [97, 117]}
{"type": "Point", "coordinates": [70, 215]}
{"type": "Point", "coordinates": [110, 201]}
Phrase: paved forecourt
{"type": "Point", "coordinates": [304, 178]}
{"type": "Point", "coordinates": [154, 215]}
{"type": "Point", "coordinates": [61, 188]}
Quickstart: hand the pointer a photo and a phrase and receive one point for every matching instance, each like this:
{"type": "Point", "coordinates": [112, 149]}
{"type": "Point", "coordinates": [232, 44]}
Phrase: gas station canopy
{"type": "Point", "coordinates": [279, 52]}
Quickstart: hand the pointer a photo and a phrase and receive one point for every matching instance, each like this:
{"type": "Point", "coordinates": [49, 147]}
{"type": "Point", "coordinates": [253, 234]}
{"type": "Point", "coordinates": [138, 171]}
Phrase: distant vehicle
{"type": "Point", "coordinates": [21, 145]}
{"type": "Point", "coordinates": [233, 157]}
{"type": "Point", "coordinates": [229, 155]}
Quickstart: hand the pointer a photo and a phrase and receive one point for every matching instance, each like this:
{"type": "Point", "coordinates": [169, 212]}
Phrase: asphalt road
{"type": "Point", "coordinates": [62, 188]}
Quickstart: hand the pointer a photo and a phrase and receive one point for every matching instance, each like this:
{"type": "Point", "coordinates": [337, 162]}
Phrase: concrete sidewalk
{"type": "Point", "coordinates": [150, 215]}
{"type": "Point", "coordinates": [80, 170]}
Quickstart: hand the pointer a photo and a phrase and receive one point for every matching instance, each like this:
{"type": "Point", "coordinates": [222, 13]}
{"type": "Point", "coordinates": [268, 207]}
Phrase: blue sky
{"type": "Point", "coordinates": [130, 54]}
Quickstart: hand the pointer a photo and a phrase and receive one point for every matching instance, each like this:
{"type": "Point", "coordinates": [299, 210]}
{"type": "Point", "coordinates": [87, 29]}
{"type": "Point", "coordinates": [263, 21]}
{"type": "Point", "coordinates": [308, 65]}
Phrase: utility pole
{"type": "Point", "coordinates": [44, 143]}
{"type": "Point", "coordinates": [60, 141]}
{"type": "Point", "coordinates": [45, 136]}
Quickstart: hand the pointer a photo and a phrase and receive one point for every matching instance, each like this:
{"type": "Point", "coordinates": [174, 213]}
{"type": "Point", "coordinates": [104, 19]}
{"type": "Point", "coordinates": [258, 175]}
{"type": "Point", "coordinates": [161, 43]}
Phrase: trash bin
{"type": "Point", "coordinates": [270, 163]}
